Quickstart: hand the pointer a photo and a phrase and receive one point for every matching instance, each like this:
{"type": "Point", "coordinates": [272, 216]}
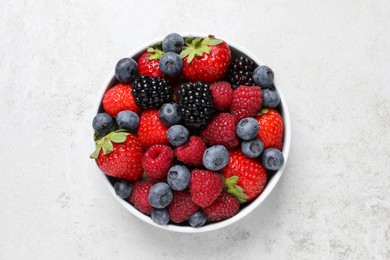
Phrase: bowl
{"type": "Point", "coordinates": [251, 206]}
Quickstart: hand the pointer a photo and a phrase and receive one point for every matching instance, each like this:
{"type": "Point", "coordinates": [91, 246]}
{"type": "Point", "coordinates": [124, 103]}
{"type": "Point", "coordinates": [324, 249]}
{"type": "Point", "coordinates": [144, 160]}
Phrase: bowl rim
{"type": "Point", "coordinates": [244, 211]}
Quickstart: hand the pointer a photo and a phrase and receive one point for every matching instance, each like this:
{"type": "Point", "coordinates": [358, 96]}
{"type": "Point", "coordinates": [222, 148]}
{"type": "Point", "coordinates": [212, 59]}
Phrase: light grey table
{"type": "Point", "coordinates": [332, 60]}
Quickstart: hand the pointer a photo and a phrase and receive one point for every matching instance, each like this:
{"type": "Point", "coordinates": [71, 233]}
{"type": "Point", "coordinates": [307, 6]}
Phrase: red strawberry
{"type": "Point", "coordinates": [151, 130]}
{"type": "Point", "coordinates": [139, 196]}
{"type": "Point", "coordinates": [191, 153]}
{"type": "Point", "coordinates": [247, 101]}
{"type": "Point", "coordinates": [222, 94]}
{"type": "Point", "coordinates": [181, 206]}
{"type": "Point", "coordinates": [205, 59]}
{"type": "Point", "coordinates": [119, 154]}
{"type": "Point", "coordinates": [205, 186]}
{"type": "Point", "coordinates": [245, 178]}
{"type": "Point", "coordinates": [157, 160]}
{"type": "Point", "coordinates": [120, 98]}
{"type": "Point", "coordinates": [148, 63]}
{"type": "Point", "coordinates": [221, 130]}
{"type": "Point", "coordinates": [271, 128]}
{"type": "Point", "coordinates": [225, 206]}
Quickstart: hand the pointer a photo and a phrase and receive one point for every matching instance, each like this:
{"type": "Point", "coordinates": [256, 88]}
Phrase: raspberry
{"type": "Point", "coordinates": [120, 98]}
{"type": "Point", "coordinates": [247, 101]}
{"type": "Point", "coordinates": [191, 153]}
{"type": "Point", "coordinates": [222, 95]}
{"type": "Point", "coordinates": [225, 206]}
{"type": "Point", "coordinates": [151, 129]}
{"type": "Point", "coordinates": [157, 160]}
{"type": "Point", "coordinates": [205, 186]}
{"type": "Point", "coordinates": [139, 196]}
{"type": "Point", "coordinates": [221, 130]}
{"type": "Point", "coordinates": [181, 206]}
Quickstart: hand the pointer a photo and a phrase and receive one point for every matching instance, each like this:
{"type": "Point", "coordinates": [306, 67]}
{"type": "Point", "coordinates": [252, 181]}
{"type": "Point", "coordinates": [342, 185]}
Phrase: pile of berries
{"type": "Point", "coordinates": [189, 134]}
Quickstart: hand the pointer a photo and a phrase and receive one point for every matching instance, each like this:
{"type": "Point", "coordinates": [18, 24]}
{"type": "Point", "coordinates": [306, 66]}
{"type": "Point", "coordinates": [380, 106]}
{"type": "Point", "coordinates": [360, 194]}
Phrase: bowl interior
{"type": "Point", "coordinates": [273, 178]}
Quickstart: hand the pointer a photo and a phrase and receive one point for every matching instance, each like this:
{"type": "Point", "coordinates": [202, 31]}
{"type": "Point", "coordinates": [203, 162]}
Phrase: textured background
{"type": "Point", "coordinates": [332, 60]}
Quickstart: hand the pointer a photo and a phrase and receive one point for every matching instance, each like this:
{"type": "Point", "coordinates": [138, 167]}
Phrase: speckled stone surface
{"type": "Point", "coordinates": [332, 60]}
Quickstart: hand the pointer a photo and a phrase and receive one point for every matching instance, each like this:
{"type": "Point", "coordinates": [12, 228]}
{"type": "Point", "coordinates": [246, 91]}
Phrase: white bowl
{"type": "Point", "coordinates": [111, 81]}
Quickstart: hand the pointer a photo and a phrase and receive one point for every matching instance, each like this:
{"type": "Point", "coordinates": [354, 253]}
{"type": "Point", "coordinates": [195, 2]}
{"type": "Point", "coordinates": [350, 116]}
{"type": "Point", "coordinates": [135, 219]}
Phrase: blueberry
{"type": "Point", "coordinates": [271, 98]}
{"type": "Point", "coordinates": [127, 119]}
{"type": "Point", "coordinates": [160, 195]}
{"type": "Point", "coordinates": [197, 219]}
{"type": "Point", "coordinates": [169, 114]}
{"type": "Point", "coordinates": [103, 124]}
{"type": "Point", "coordinates": [263, 76]}
{"type": "Point", "coordinates": [173, 43]}
{"type": "Point", "coordinates": [252, 148]}
{"type": "Point", "coordinates": [123, 189]}
{"type": "Point", "coordinates": [170, 64]}
{"type": "Point", "coordinates": [215, 157]}
{"type": "Point", "coordinates": [272, 159]}
{"type": "Point", "coordinates": [247, 128]}
{"type": "Point", "coordinates": [126, 70]}
{"type": "Point", "coordinates": [177, 135]}
{"type": "Point", "coordinates": [178, 177]}
{"type": "Point", "coordinates": [160, 216]}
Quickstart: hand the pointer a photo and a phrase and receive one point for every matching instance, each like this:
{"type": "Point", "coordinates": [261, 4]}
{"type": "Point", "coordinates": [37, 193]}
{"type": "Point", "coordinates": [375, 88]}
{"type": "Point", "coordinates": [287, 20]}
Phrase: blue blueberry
{"type": "Point", "coordinates": [103, 124]}
{"type": "Point", "coordinates": [178, 177]}
{"type": "Point", "coordinates": [160, 195]}
{"type": "Point", "coordinates": [170, 64]}
{"type": "Point", "coordinates": [271, 98]}
{"type": "Point", "coordinates": [173, 43]}
{"type": "Point", "coordinates": [215, 157]}
{"type": "Point", "coordinates": [247, 128]}
{"type": "Point", "coordinates": [272, 159]}
{"type": "Point", "coordinates": [160, 216]}
{"type": "Point", "coordinates": [127, 119]}
{"type": "Point", "coordinates": [263, 76]}
{"type": "Point", "coordinates": [126, 69]}
{"type": "Point", "coordinates": [169, 114]}
{"type": "Point", "coordinates": [197, 219]}
{"type": "Point", "coordinates": [177, 135]}
{"type": "Point", "coordinates": [123, 189]}
{"type": "Point", "coordinates": [252, 148]}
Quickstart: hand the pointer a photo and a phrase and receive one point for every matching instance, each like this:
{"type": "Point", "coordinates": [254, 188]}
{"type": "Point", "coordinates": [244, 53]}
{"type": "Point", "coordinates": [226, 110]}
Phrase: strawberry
{"type": "Point", "coordinates": [225, 206]}
{"type": "Point", "coordinates": [222, 94]}
{"type": "Point", "coordinates": [120, 98]}
{"type": "Point", "coordinates": [157, 160]}
{"type": "Point", "coordinates": [139, 196]}
{"type": "Point", "coordinates": [205, 186]}
{"type": "Point", "coordinates": [247, 101]}
{"type": "Point", "coordinates": [181, 206]}
{"type": "Point", "coordinates": [245, 178]}
{"type": "Point", "coordinates": [271, 129]}
{"type": "Point", "coordinates": [148, 62]}
{"type": "Point", "coordinates": [151, 130]}
{"type": "Point", "coordinates": [119, 154]}
{"type": "Point", "coordinates": [191, 153]}
{"type": "Point", "coordinates": [205, 59]}
{"type": "Point", "coordinates": [221, 130]}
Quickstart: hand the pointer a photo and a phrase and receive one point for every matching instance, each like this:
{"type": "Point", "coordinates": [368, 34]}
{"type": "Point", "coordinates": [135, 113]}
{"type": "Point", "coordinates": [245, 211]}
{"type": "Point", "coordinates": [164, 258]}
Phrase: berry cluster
{"type": "Point", "coordinates": [189, 134]}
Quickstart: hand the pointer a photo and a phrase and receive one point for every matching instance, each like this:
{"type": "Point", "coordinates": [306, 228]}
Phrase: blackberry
{"type": "Point", "coordinates": [151, 92]}
{"type": "Point", "coordinates": [241, 72]}
{"type": "Point", "coordinates": [196, 104]}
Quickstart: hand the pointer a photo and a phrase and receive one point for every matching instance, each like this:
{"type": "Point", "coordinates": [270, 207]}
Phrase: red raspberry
{"type": "Point", "coordinates": [221, 130]}
{"type": "Point", "coordinates": [191, 153]}
{"type": "Point", "coordinates": [151, 129]}
{"type": "Point", "coordinates": [205, 186]}
{"type": "Point", "coordinates": [225, 206]}
{"type": "Point", "coordinates": [232, 143]}
{"type": "Point", "coordinates": [181, 206]}
{"type": "Point", "coordinates": [139, 196]}
{"type": "Point", "coordinates": [222, 94]}
{"type": "Point", "coordinates": [120, 98]}
{"type": "Point", "coordinates": [157, 160]}
{"type": "Point", "coordinates": [247, 101]}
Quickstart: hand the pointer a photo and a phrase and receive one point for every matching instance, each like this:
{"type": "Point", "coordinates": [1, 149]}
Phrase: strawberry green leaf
{"type": "Point", "coordinates": [234, 189]}
{"type": "Point", "coordinates": [190, 57]}
{"type": "Point", "coordinates": [197, 42]}
{"type": "Point", "coordinates": [118, 137]}
{"type": "Point", "coordinates": [205, 49]}
{"type": "Point", "coordinates": [189, 40]}
{"type": "Point", "coordinates": [107, 147]}
{"type": "Point", "coordinates": [213, 42]}
{"type": "Point", "coordinates": [185, 53]}
{"type": "Point", "coordinates": [264, 111]}
{"type": "Point", "coordinates": [198, 52]}
{"type": "Point", "coordinates": [96, 153]}
{"type": "Point", "coordinates": [154, 53]}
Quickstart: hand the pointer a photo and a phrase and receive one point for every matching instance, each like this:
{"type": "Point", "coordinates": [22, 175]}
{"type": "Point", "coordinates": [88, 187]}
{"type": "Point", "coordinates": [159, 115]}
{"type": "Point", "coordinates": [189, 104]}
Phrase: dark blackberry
{"type": "Point", "coordinates": [196, 104]}
{"type": "Point", "coordinates": [151, 92]}
{"type": "Point", "coordinates": [241, 72]}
